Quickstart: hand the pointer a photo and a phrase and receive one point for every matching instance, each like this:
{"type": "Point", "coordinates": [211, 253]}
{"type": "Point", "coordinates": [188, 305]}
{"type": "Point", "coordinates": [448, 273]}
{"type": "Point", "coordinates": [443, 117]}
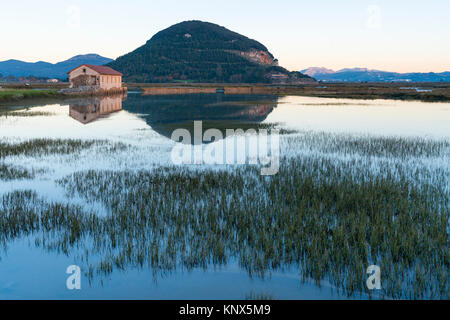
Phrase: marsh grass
{"type": "Point", "coordinates": [42, 147]}
{"type": "Point", "coordinates": [338, 104]}
{"type": "Point", "coordinates": [8, 172]}
{"type": "Point", "coordinates": [374, 90]}
{"type": "Point", "coordinates": [369, 146]}
{"type": "Point", "coordinates": [18, 94]}
{"type": "Point", "coordinates": [223, 126]}
{"type": "Point", "coordinates": [26, 114]}
{"type": "Point", "coordinates": [327, 218]}
{"type": "Point", "coordinates": [259, 296]}
{"type": "Point", "coordinates": [313, 216]}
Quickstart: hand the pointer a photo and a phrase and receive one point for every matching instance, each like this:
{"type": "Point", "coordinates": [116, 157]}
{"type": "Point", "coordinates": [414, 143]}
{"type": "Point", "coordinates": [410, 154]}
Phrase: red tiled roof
{"type": "Point", "coordinates": [103, 70]}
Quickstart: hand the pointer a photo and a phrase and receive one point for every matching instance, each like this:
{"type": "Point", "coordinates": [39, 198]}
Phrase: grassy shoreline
{"type": "Point", "coordinates": [428, 92]}
{"type": "Point", "coordinates": [434, 92]}
{"type": "Point", "coordinates": [7, 95]}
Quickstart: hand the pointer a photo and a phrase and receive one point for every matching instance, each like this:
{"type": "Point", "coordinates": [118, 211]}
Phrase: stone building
{"type": "Point", "coordinates": [95, 78]}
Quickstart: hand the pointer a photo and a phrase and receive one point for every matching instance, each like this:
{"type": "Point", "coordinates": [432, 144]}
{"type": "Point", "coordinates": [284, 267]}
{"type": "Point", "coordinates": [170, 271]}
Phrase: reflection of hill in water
{"type": "Point", "coordinates": [166, 113]}
{"type": "Point", "coordinates": [87, 110]}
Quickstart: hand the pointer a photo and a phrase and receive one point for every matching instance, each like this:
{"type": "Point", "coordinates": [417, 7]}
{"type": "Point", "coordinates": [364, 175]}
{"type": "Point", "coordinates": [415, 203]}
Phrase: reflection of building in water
{"type": "Point", "coordinates": [88, 110]}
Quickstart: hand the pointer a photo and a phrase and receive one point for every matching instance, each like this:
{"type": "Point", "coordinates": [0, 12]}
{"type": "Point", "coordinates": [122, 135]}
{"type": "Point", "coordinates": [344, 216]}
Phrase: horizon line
{"type": "Point", "coordinates": [300, 70]}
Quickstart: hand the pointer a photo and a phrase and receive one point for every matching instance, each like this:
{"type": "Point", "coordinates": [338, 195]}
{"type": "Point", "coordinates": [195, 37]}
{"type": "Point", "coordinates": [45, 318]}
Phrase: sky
{"type": "Point", "coordinates": [391, 35]}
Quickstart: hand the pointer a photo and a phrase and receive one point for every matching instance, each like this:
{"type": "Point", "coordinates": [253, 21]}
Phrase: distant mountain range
{"type": "Point", "coordinates": [205, 52]}
{"type": "Point", "coordinates": [366, 75]}
{"type": "Point", "coordinates": [41, 69]}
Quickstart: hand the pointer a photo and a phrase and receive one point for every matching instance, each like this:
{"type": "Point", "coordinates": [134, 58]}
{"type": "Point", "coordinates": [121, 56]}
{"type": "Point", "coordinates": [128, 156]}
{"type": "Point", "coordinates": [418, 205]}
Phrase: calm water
{"type": "Point", "coordinates": [145, 124]}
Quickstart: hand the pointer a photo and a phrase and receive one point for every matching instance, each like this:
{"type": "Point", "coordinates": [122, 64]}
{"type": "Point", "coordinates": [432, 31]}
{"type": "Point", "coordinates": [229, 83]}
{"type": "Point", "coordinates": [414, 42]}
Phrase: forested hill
{"type": "Point", "coordinates": [204, 35]}
{"type": "Point", "coordinates": [201, 52]}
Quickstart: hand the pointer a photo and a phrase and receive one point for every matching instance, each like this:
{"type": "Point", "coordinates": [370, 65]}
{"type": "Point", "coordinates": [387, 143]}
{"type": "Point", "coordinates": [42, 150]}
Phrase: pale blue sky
{"type": "Point", "coordinates": [395, 35]}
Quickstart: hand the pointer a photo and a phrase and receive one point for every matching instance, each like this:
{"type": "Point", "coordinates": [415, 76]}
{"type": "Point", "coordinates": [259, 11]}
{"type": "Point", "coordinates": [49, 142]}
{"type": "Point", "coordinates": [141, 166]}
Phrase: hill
{"type": "Point", "coordinates": [17, 68]}
{"type": "Point", "coordinates": [312, 72]}
{"type": "Point", "coordinates": [202, 52]}
{"type": "Point", "coordinates": [366, 75]}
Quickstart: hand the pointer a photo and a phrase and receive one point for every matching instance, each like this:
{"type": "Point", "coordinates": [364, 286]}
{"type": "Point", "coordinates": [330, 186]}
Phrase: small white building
{"type": "Point", "coordinates": [97, 77]}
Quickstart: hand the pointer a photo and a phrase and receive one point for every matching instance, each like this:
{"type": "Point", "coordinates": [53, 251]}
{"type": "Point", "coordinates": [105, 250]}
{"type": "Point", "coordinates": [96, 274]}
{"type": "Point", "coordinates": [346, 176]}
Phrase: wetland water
{"type": "Point", "coordinates": [91, 183]}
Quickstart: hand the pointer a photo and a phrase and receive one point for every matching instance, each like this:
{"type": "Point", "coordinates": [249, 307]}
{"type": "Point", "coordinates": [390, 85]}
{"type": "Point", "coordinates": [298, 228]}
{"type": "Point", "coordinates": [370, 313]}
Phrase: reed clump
{"type": "Point", "coordinates": [223, 126]}
{"type": "Point", "coordinates": [18, 94]}
{"type": "Point", "coordinates": [43, 147]}
{"type": "Point", "coordinates": [7, 114]}
{"type": "Point", "coordinates": [8, 172]}
{"type": "Point", "coordinates": [369, 146]}
{"type": "Point", "coordinates": [259, 296]}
